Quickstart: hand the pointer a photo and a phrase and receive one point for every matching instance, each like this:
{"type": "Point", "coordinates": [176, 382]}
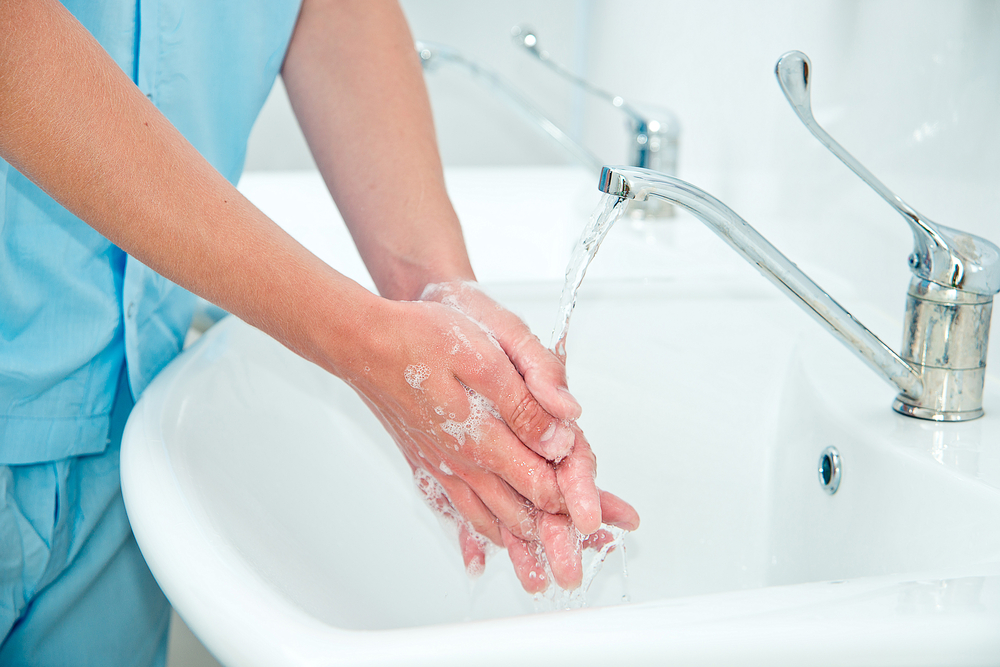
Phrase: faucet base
{"type": "Point", "coordinates": [944, 339]}
{"type": "Point", "coordinates": [930, 414]}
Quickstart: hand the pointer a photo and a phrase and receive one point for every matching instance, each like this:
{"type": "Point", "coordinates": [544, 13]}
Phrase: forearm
{"type": "Point", "coordinates": [355, 83]}
{"type": "Point", "coordinates": [73, 123]}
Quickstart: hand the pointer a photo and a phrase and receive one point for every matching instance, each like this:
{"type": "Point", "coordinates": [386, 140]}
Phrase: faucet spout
{"type": "Point", "coordinates": [634, 183]}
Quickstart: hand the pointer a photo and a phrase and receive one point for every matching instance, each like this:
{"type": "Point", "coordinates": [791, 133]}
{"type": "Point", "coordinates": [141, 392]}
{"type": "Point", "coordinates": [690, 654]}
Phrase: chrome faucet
{"type": "Point", "coordinates": [432, 54]}
{"type": "Point", "coordinates": [653, 131]}
{"type": "Point", "coordinates": [653, 139]}
{"type": "Point", "coordinates": [942, 369]}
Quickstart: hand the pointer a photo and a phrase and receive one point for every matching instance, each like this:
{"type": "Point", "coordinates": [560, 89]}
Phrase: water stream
{"type": "Point", "coordinates": [601, 221]}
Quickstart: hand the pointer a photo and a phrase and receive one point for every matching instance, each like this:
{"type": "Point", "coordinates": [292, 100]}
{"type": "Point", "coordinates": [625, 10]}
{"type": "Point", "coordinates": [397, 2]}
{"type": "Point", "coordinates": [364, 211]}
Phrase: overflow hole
{"type": "Point", "coordinates": [829, 470]}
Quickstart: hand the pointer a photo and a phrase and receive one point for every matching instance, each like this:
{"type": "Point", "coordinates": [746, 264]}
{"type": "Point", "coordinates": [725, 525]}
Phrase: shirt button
{"type": "Point", "coordinates": [130, 311]}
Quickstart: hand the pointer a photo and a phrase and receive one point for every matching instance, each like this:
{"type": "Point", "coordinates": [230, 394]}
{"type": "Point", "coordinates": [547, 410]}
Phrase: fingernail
{"type": "Point", "coordinates": [587, 518]}
{"type": "Point", "coordinates": [573, 406]}
{"type": "Point", "coordinates": [557, 441]}
{"type": "Point", "coordinates": [626, 525]}
{"type": "Point", "coordinates": [475, 567]}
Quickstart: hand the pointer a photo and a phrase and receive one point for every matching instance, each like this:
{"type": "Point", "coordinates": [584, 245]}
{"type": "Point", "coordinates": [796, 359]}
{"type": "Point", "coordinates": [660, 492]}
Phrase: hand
{"type": "Point", "coordinates": [545, 378]}
{"type": "Point", "coordinates": [558, 536]}
{"type": "Point", "coordinates": [565, 544]}
{"type": "Point", "coordinates": [460, 411]}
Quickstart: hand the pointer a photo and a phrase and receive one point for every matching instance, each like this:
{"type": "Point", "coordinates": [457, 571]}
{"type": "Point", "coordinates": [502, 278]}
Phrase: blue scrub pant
{"type": "Point", "coordinates": [74, 589]}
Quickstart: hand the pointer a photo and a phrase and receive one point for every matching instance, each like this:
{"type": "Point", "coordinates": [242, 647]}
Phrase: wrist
{"type": "Point", "coordinates": [414, 283]}
{"type": "Point", "coordinates": [334, 324]}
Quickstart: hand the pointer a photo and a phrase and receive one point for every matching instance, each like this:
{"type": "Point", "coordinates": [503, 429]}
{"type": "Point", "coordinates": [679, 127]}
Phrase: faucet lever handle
{"type": "Point", "coordinates": [941, 255]}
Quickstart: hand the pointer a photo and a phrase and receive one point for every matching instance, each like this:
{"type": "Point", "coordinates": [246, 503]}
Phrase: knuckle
{"type": "Point", "coordinates": [528, 419]}
{"type": "Point", "coordinates": [545, 490]}
{"type": "Point", "coordinates": [522, 523]}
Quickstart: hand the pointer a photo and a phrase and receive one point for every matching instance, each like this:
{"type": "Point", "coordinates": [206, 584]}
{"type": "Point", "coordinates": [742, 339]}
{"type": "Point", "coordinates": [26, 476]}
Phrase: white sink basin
{"type": "Point", "coordinates": [284, 527]}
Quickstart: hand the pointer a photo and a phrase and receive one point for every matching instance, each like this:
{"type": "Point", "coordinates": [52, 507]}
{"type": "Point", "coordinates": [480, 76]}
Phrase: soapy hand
{"type": "Point", "coordinates": [480, 410]}
{"type": "Point", "coordinates": [558, 536]}
{"type": "Point", "coordinates": [459, 409]}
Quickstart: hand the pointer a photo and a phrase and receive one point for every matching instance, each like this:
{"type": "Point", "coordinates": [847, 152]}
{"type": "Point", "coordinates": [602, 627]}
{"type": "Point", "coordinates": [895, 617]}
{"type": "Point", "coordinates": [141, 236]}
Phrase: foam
{"type": "Point", "coordinates": [461, 340]}
{"type": "Point", "coordinates": [415, 374]}
{"type": "Point", "coordinates": [479, 408]}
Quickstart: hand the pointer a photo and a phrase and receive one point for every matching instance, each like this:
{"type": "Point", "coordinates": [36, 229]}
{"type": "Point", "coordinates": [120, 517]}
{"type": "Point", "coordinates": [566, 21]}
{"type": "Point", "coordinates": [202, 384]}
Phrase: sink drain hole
{"type": "Point", "coordinates": [829, 470]}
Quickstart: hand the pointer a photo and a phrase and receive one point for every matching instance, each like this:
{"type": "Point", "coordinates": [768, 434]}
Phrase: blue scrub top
{"type": "Point", "coordinates": [73, 306]}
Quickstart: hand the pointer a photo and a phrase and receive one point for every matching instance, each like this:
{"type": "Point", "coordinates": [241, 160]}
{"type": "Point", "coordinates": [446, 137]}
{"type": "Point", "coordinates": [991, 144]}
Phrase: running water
{"type": "Point", "coordinates": [555, 598]}
{"type": "Point", "coordinates": [601, 221]}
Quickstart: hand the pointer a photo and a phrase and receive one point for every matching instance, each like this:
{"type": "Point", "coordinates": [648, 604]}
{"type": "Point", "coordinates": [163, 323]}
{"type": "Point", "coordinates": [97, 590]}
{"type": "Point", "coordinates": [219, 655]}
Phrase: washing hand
{"type": "Point", "coordinates": [559, 534]}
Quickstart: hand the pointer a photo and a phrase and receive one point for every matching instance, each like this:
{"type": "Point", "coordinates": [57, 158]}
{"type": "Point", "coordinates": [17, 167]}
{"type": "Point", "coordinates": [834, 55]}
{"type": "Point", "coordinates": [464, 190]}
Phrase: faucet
{"type": "Point", "coordinates": [942, 369]}
{"type": "Point", "coordinates": [655, 141]}
{"type": "Point", "coordinates": [432, 54]}
{"type": "Point", "coordinates": [653, 131]}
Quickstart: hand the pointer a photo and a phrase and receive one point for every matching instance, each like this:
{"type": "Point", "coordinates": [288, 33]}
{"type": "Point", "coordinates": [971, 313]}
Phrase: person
{"type": "Point", "coordinates": [123, 127]}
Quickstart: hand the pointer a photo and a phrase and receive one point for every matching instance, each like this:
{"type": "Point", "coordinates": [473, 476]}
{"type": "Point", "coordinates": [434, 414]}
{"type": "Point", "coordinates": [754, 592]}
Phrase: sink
{"type": "Point", "coordinates": [285, 528]}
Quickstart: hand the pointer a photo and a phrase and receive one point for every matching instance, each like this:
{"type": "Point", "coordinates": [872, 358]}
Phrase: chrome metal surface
{"type": "Point", "coordinates": [631, 182]}
{"type": "Point", "coordinates": [945, 339]}
{"type": "Point", "coordinates": [829, 470]}
{"type": "Point", "coordinates": [432, 54]}
{"type": "Point", "coordinates": [950, 298]}
{"type": "Point", "coordinates": [941, 255]}
{"type": "Point", "coordinates": [653, 133]}
{"type": "Point", "coordinates": [941, 374]}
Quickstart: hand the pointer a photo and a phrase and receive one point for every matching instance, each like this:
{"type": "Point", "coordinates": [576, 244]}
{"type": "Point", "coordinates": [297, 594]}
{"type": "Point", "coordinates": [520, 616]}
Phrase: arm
{"type": "Point", "coordinates": [357, 89]}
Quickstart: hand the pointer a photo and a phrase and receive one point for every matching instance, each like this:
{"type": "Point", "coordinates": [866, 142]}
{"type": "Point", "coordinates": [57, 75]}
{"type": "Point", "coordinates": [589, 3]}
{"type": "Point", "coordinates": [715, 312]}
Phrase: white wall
{"type": "Point", "coordinates": [914, 82]}
{"type": "Point", "coordinates": [474, 126]}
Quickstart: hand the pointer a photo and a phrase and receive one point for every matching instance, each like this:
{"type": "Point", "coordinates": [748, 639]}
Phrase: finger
{"type": "Point", "coordinates": [509, 507]}
{"type": "Point", "coordinates": [530, 475]}
{"type": "Point", "coordinates": [456, 496]}
{"type": "Point", "coordinates": [529, 571]}
{"type": "Point", "coordinates": [483, 440]}
{"type": "Point", "coordinates": [538, 430]}
{"type": "Point", "coordinates": [473, 553]}
{"type": "Point", "coordinates": [598, 540]}
{"type": "Point", "coordinates": [617, 512]}
{"type": "Point", "coordinates": [562, 547]}
{"type": "Point", "coordinates": [543, 372]}
{"type": "Point", "coordinates": [576, 474]}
